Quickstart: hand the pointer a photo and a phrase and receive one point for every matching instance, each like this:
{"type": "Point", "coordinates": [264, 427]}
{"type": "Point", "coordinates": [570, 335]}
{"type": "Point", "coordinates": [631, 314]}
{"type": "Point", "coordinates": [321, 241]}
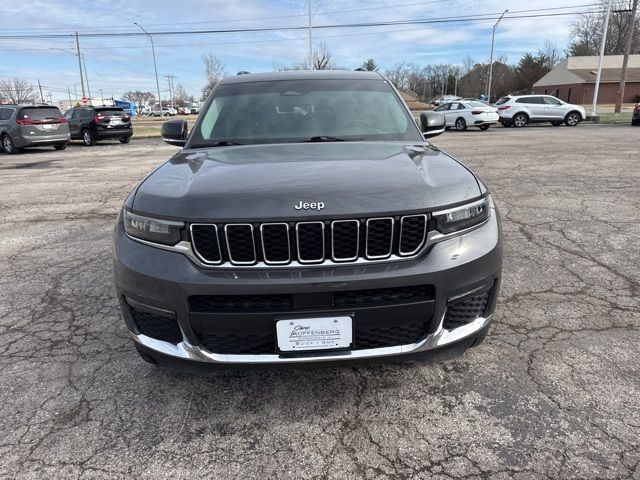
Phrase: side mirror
{"type": "Point", "coordinates": [175, 132]}
{"type": "Point", "coordinates": [432, 124]}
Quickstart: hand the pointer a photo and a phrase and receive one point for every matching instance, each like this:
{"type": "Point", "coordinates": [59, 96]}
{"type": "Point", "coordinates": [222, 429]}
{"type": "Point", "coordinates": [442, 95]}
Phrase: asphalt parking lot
{"type": "Point", "coordinates": [554, 392]}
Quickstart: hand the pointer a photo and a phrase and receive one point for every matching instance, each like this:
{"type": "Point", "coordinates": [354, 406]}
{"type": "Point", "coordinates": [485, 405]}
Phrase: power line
{"type": "Point", "coordinates": [425, 21]}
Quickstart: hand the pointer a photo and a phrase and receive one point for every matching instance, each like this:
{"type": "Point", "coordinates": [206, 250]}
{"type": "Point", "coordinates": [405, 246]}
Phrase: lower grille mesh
{"type": "Point", "coordinates": [466, 311]}
{"type": "Point", "coordinates": [157, 326]}
{"type": "Point", "coordinates": [389, 336]}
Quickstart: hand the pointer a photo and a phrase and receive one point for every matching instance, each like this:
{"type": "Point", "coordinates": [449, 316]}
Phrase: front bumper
{"type": "Point", "coordinates": [162, 281]}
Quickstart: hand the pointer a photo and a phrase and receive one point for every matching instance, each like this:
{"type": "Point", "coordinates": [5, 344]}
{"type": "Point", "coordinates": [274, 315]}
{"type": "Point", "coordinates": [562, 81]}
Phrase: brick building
{"type": "Point", "coordinates": [574, 80]}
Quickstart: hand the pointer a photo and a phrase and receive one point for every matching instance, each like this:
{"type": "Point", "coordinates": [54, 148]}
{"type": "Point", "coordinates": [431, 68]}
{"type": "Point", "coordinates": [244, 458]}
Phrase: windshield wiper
{"type": "Point", "coordinates": [225, 143]}
{"type": "Point", "coordinates": [219, 143]}
{"type": "Point", "coordinates": [324, 138]}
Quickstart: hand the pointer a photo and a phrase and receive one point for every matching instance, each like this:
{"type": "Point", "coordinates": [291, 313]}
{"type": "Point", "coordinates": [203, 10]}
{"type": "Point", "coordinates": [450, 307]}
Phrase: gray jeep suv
{"type": "Point", "coordinates": [306, 219]}
{"type": "Point", "coordinates": [23, 126]}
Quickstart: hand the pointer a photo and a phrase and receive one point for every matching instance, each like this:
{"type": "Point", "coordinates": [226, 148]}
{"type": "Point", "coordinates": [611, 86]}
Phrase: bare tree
{"type": "Point", "coordinates": [586, 32]}
{"type": "Point", "coordinates": [18, 91]}
{"type": "Point", "coordinates": [180, 95]}
{"type": "Point", "coordinates": [139, 98]}
{"type": "Point", "coordinates": [215, 70]}
{"type": "Point", "coordinates": [322, 60]}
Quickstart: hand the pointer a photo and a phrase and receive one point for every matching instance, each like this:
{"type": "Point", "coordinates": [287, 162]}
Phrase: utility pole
{"type": "Point", "coordinates": [493, 38]}
{"type": "Point", "coordinates": [153, 51]}
{"type": "Point", "coordinates": [69, 92]}
{"type": "Point", "coordinates": [80, 64]}
{"type": "Point", "coordinates": [40, 87]}
{"type": "Point", "coordinates": [310, 36]}
{"type": "Point", "coordinates": [602, 44]}
{"type": "Point", "coordinates": [86, 77]}
{"type": "Point", "coordinates": [170, 82]}
{"type": "Point", "coordinates": [625, 60]}
{"type": "Point", "coordinates": [101, 98]}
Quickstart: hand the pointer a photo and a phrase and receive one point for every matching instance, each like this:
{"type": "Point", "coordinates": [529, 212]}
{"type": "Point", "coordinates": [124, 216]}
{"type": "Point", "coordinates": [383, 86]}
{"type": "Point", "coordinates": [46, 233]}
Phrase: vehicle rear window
{"type": "Point", "coordinates": [110, 112]}
{"type": "Point", "coordinates": [503, 100]}
{"type": "Point", "coordinates": [39, 113]}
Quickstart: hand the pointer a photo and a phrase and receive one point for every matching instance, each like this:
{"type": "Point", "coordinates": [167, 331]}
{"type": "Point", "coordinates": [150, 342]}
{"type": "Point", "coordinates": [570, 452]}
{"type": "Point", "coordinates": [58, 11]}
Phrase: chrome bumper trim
{"type": "Point", "coordinates": [439, 338]}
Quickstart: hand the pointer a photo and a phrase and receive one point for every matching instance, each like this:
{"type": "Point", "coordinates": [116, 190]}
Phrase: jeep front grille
{"type": "Point", "coordinates": [312, 242]}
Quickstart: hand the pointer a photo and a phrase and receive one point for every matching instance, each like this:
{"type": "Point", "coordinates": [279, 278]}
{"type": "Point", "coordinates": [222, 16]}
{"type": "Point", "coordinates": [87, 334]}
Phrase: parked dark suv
{"type": "Point", "coordinates": [91, 123]}
{"type": "Point", "coordinates": [306, 219]}
{"type": "Point", "coordinates": [23, 126]}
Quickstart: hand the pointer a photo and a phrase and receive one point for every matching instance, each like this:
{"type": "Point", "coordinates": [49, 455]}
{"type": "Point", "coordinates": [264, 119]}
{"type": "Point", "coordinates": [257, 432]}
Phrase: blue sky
{"type": "Point", "coordinates": [119, 64]}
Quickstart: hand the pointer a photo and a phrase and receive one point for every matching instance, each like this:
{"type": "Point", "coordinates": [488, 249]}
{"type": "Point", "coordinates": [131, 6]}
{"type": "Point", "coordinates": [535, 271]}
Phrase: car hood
{"type": "Point", "coordinates": [264, 182]}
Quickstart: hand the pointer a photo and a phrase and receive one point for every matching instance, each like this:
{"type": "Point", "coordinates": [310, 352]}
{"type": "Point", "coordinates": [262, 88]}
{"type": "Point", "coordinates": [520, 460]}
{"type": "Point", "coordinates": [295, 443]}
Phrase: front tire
{"type": "Point", "coordinates": [125, 139]}
{"type": "Point", "coordinates": [8, 146]}
{"type": "Point", "coordinates": [461, 125]}
{"type": "Point", "coordinates": [60, 146]}
{"type": "Point", "coordinates": [520, 120]}
{"type": "Point", "coordinates": [484, 127]}
{"type": "Point", "coordinates": [572, 119]}
{"type": "Point", "coordinates": [87, 138]}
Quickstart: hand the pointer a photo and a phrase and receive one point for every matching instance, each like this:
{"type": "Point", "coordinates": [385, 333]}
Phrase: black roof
{"type": "Point", "coordinates": [302, 75]}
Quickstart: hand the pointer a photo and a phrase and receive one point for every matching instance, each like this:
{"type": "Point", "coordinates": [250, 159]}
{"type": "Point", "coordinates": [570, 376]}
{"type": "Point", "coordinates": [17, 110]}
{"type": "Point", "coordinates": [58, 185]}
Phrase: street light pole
{"type": "Point", "coordinates": [493, 37]}
{"type": "Point", "coordinates": [625, 59]}
{"type": "Point", "coordinates": [80, 64]}
{"type": "Point", "coordinates": [153, 51]}
{"type": "Point", "coordinates": [310, 34]}
{"type": "Point", "coordinates": [602, 44]}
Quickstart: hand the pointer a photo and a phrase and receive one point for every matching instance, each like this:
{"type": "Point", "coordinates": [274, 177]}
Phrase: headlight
{"type": "Point", "coordinates": [152, 229]}
{"type": "Point", "coordinates": [460, 218]}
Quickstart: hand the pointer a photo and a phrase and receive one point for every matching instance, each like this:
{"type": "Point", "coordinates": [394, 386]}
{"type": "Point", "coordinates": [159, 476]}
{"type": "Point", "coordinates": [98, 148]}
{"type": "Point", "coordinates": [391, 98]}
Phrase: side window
{"type": "Point", "coordinates": [77, 113]}
{"type": "Point", "coordinates": [525, 100]}
{"type": "Point", "coordinates": [461, 106]}
{"type": "Point", "coordinates": [552, 101]}
{"type": "Point", "coordinates": [5, 113]}
{"type": "Point", "coordinates": [537, 100]}
{"type": "Point", "coordinates": [68, 114]}
{"type": "Point", "coordinates": [443, 108]}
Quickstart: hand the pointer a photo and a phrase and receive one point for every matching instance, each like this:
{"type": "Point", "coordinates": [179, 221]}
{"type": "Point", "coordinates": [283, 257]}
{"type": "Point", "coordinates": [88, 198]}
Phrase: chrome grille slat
{"type": "Point", "coordinates": [242, 245]}
{"type": "Point", "coordinates": [410, 233]}
{"type": "Point", "coordinates": [213, 254]}
{"type": "Point", "coordinates": [334, 225]}
{"type": "Point", "coordinates": [265, 248]}
{"type": "Point", "coordinates": [375, 227]}
{"type": "Point", "coordinates": [306, 242]}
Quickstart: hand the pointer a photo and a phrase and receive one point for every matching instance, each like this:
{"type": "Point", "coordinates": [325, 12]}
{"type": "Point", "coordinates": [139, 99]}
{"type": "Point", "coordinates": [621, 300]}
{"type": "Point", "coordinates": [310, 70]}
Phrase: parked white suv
{"type": "Point", "coordinates": [523, 109]}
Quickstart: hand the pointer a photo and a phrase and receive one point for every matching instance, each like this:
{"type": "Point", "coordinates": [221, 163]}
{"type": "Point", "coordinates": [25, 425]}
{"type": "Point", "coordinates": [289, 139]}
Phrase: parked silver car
{"type": "Point", "coordinates": [23, 126]}
{"type": "Point", "coordinates": [520, 110]}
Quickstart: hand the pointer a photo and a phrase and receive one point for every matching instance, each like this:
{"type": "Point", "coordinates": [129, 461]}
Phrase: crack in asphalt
{"type": "Point", "coordinates": [552, 393]}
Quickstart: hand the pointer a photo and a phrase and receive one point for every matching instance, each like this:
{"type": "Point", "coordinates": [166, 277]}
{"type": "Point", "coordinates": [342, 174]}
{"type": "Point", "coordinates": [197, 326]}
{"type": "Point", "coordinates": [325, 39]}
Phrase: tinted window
{"type": "Point", "coordinates": [503, 100]}
{"type": "Point", "coordinates": [39, 113]}
{"type": "Point", "coordinates": [296, 110]}
{"type": "Point", "coordinates": [552, 101]}
{"type": "Point", "coordinates": [5, 113]}
{"type": "Point", "coordinates": [531, 100]}
{"type": "Point", "coordinates": [110, 112]}
{"type": "Point", "coordinates": [444, 107]}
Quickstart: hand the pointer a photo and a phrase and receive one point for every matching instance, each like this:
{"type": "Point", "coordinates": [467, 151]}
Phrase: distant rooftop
{"type": "Point", "coordinates": [583, 70]}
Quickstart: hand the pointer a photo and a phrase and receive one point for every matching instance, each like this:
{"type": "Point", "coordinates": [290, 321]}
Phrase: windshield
{"type": "Point", "coordinates": [304, 110]}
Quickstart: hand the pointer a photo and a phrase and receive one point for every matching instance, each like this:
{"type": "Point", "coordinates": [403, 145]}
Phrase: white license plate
{"type": "Point", "coordinates": [47, 126]}
{"type": "Point", "coordinates": [116, 121]}
{"type": "Point", "coordinates": [319, 333]}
